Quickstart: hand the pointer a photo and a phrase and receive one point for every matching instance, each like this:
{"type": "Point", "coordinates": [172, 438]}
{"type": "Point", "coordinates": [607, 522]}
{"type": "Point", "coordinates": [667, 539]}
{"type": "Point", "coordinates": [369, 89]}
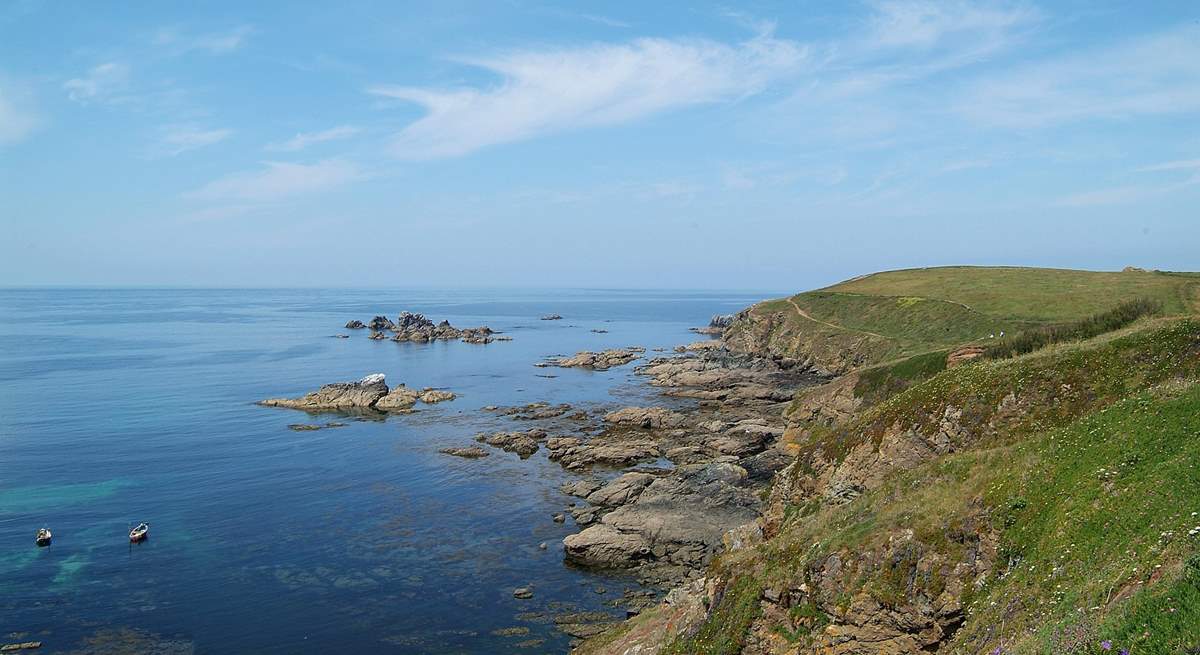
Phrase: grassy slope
{"type": "Point", "coordinates": [898, 314]}
{"type": "Point", "coordinates": [1092, 497]}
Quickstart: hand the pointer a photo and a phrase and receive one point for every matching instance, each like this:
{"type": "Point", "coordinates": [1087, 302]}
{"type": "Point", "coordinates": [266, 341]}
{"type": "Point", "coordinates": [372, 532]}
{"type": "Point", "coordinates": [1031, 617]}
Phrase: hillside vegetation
{"type": "Point", "coordinates": [1042, 498]}
{"type": "Point", "coordinates": [898, 314]}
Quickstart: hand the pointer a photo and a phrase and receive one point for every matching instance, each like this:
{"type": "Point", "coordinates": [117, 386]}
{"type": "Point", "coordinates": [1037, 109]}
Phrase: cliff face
{"type": "Point", "coordinates": [1038, 504]}
{"type": "Point", "coordinates": [776, 331]}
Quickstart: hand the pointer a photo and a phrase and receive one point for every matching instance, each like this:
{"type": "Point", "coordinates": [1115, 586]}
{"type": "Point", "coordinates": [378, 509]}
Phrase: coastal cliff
{"type": "Point", "coordinates": [1005, 462]}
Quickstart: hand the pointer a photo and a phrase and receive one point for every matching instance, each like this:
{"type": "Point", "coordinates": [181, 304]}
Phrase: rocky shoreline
{"type": "Point", "coordinates": [660, 489]}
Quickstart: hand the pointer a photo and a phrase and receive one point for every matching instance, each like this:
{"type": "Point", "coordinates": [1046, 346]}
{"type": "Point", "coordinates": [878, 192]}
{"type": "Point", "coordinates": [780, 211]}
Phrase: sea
{"type": "Point", "coordinates": [119, 406]}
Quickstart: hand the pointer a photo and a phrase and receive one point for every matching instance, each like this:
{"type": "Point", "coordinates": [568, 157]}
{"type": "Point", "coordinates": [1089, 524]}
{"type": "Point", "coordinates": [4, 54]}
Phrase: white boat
{"type": "Point", "coordinates": [139, 533]}
{"type": "Point", "coordinates": [44, 537]}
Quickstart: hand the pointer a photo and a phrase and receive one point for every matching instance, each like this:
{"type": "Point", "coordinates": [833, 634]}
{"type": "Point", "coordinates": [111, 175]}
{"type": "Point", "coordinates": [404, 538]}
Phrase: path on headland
{"type": "Point", "coordinates": [805, 314]}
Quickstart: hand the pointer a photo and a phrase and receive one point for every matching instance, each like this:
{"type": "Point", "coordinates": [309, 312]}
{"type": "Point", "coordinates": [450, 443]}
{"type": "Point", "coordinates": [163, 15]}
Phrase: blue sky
{"type": "Point", "coordinates": [618, 144]}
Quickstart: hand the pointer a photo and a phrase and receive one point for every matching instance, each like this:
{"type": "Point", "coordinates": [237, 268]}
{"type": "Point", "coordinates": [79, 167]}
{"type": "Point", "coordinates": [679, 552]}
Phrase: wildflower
{"type": "Point", "coordinates": [1106, 644]}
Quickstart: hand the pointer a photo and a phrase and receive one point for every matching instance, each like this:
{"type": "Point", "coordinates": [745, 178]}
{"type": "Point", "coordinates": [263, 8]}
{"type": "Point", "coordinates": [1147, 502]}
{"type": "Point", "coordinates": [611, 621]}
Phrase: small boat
{"type": "Point", "coordinates": [139, 533]}
{"type": "Point", "coordinates": [44, 537]}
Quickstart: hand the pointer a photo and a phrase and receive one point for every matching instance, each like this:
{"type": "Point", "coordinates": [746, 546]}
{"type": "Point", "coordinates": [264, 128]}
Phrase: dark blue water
{"type": "Point", "coordinates": [118, 406]}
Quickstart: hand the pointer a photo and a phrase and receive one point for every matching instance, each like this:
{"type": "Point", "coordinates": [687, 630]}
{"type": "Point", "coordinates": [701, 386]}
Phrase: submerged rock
{"type": "Point", "coordinates": [469, 452]}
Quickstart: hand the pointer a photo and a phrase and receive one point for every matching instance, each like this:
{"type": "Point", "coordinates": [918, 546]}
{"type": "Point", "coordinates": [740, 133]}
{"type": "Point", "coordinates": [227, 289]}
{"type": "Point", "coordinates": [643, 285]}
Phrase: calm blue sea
{"type": "Point", "coordinates": [119, 406]}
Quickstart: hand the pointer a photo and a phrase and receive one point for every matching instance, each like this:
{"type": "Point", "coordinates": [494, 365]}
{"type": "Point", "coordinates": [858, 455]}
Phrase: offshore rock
{"type": "Point", "coordinates": [362, 394]}
{"type": "Point", "coordinates": [601, 361]}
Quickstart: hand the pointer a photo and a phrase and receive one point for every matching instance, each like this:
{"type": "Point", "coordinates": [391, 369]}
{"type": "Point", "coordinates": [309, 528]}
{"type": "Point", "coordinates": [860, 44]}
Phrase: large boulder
{"type": "Point", "coordinates": [606, 547]}
{"type": "Point", "coordinates": [362, 394]}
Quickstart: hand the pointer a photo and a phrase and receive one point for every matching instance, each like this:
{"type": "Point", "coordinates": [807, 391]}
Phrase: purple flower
{"type": "Point", "coordinates": [1106, 644]}
{"type": "Point", "coordinates": [998, 650]}
{"type": "Point", "coordinates": [1124, 651]}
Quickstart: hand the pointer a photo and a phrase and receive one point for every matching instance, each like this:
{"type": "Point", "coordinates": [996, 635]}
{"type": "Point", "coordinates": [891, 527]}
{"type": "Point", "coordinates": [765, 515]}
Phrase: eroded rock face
{"type": "Point", "coordinates": [362, 394]}
{"type": "Point", "coordinates": [601, 361]}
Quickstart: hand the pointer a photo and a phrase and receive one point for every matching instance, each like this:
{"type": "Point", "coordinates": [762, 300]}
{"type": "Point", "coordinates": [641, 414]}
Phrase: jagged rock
{"type": "Point", "coordinates": [601, 361]}
{"type": "Point", "coordinates": [678, 519]}
{"type": "Point", "coordinates": [430, 396]}
{"type": "Point", "coordinates": [580, 488]}
{"type": "Point", "coordinates": [398, 398]}
{"type": "Point", "coordinates": [469, 452]}
{"type": "Point", "coordinates": [355, 325]}
{"type": "Point", "coordinates": [622, 490]}
{"type": "Point", "coordinates": [380, 323]}
{"type": "Point", "coordinates": [654, 418]}
{"type": "Point", "coordinates": [552, 317]}
{"type": "Point", "coordinates": [523, 444]}
{"type": "Point", "coordinates": [362, 394]}
{"type": "Point", "coordinates": [523, 593]}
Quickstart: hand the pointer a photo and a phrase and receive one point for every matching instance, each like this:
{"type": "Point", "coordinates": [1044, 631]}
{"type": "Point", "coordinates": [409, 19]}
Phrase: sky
{"type": "Point", "coordinates": [749, 145]}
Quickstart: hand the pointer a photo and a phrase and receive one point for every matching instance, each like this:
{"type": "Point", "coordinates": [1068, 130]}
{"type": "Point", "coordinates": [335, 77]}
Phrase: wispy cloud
{"type": "Point", "coordinates": [927, 24]}
{"type": "Point", "coordinates": [549, 91]}
{"type": "Point", "coordinates": [218, 43]}
{"type": "Point", "coordinates": [604, 20]}
{"type": "Point", "coordinates": [278, 181]}
{"type": "Point", "coordinates": [306, 139]}
{"type": "Point", "coordinates": [1155, 75]}
{"type": "Point", "coordinates": [17, 119]}
{"type": "Point", "coordinates": [1179, 165]}
{"type": "Point", "coordinates": [102, 83]}
{"type": "Point", "coordinates": [1113, 196]}
{"type": "Point", "coordinates": [178, 139]}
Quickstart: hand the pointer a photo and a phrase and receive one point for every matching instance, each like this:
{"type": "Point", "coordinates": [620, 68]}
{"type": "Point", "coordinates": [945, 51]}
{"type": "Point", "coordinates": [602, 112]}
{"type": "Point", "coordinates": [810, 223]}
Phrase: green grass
{"type": "Point", "coordinates": [1092, 326]}
{"type": "Point", "coordinates": [878, 383]}
{"type": "Point", "coordinates": [898, 314]}
{"type": "Point", "coordinates": [1032, 294]}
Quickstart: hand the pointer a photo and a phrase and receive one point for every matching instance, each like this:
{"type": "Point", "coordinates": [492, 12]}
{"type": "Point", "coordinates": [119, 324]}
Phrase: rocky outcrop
{"type": "Point", "coordinates": [362, 394]}
{"type": "Point", "coordinates": [650, 418]}
{"type": "Point", "coordinates": [601, 361]}
{"type": "Point", "coordinates": [523, 443]}
{"type": "Point", "coordinates": [674, 520]}
{"type": "Point", "coordinates": [369, 393]}
{"type": "Point", "coordinates": [419, 329]}
{"type": "Point", "coordinates": [552, 317]}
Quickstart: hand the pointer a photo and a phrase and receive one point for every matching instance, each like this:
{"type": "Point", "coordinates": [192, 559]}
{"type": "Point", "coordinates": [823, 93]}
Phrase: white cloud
{"type": "Point", "coordinates": [1181, 165]}
{"type": "Point", "coordinates": [306, 139]}
{"type": "Point", "coordinates": [543, 92]}
{"type": "Point", "coordinates": [1113, 196]}
{"type": "Point", "coordinates": [101, 83]}
{"type": "Point", "coordinates": [927, 24]}
{"type": "Point", "coordinates": [215, 44]}
{"type": "Point", "coordinates": [17, 119]}
{"type": "Point", "coordinates": [177, 139]}
{"type": "Point", "coordinates": [1155, 75]}
{"type": "Point", "coordinates": [277, 181]}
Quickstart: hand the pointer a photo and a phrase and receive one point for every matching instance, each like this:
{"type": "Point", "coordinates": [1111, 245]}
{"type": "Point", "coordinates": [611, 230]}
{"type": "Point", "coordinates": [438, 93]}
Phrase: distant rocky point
{"type": "Point", "coordinates": [552, 317]}
{"type": "Point", "coordinates": [716, 325]}
{"type": "Point", "coordinates": [369, 393]}
{"type": "Point", "coordinates": [416, 327]}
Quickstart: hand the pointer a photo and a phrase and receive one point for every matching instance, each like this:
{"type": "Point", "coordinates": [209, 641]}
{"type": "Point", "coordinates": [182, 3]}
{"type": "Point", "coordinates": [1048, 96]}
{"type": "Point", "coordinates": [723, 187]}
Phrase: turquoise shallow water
{"type": "Point", "coordinates": [118, 406]}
